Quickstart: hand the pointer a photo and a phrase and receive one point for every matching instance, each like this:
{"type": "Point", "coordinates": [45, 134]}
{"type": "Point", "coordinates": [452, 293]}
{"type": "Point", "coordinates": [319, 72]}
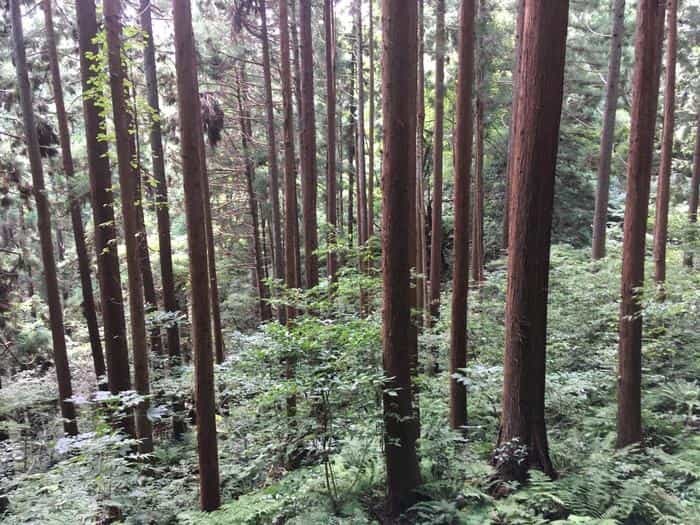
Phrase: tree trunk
{"type": "Point", "coordinates": [190, 143]}
{"type": "Point", "coordinates": [663, 192]}
{"type": "Point", "coordinates": [88, 305]}
{"type": "Point", "coordinates": [273, 168]}
{"type": "Point", "coordinates": [331, 186]}
{"type": "Point", "coordinates": [352, 145]}
{"type": "Point", "coordinates": [112, 301]}
{"type": "Point", "coordinates": [308, 146]}
{"type": "Point", "coordinates": [600, 218]}
{"type": "Point", "coordinates": [540, 91]}
{"type": "Point", "coordinates": [477, 265]}
{"type": "Point", "coordinates": [645, 87]}
{"type": "Point", "coordinates": [362, 227]}
{"type": "Point", "coordinates": [399, 343]}
{"type": "Point", "coordinates": [246, 138]}
{"type": "Point", "coordinates": [511, 137]}
{"type": "Point", "coordinates": [126, 155]}
{"type": "Point", "coordinates": [421, 248]}
{"type": "Point", "coordinates": [463, 159]}
{"type": "Point", "coordinates": [370, 178]}
{"type": "Point", "coordinates": [438, 137]}
{"type": "Point", "coordinates": [161, 188]}
{"type": "Point", "coordinates": [53, 298]}
{"type": "Point", "coordinates": [693, 200]}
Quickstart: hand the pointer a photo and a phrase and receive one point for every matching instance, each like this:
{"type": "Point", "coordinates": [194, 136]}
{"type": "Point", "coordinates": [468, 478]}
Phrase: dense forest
{"type": "Point", "coordinates": [350, 262]}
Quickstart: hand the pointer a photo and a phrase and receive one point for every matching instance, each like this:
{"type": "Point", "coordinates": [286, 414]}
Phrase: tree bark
{"type": "Point", "coordinates": [53, 298]}
{"type": "Point", "coordinates": [600, 217]}
{"type": "Point", "coordinates": [193, 180]}
{"type": "Point", "coordinates": [693, 200]}
{"type": "Point", "coordinates": [645, 87]}
{"type": "Point", "coordinates": [362, 227]}
{"type": "Point", "coordinates": [511, 137]}
{"type": "Point", "coordinates": [126, 154]}
{"type": "Point", "coordinates": [422, 292]}
{"type": "Point", "coordinates": [370, 178]}
{"type": "Point", "coordinates": [331, 186]}
{"type": "Point", "coordinates": [170, 301]}
{"type": "Point", "coordinates": [88, 305]}
{"type": "Point", "coordinates": [112, 301]}
{"type": "Point", "coordinates": [477, 265]}
{"type": "Point", "coordinates": [399, 109]}
{"type": "Point", "coordinates": [308, 146]}
{"type": "Point", "coordinates": [663, 191]}
{"type": "Point", "coordinates": [463, 159]}
{"type": "Point", "coordinates": [438, 139]}
{"type": "Point", "coordinates": [540, 92]}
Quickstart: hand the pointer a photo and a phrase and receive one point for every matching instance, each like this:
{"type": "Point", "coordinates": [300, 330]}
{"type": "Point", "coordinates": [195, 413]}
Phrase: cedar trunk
{"type": "Point", "coordinates": [362, 227]}
{"type": "Point", "coordinates": [88, 305]}
{"type": "Point", "coordinates": [663, 192]}
{"type": "Point", "coordinates": [693, 200]}
{"type": "Point", "coordinates": [170, 301]}
{"type": "Point", "coordinates": [126, 155]}
{"type": "Point", "coordinates": [612, 88]}
{"type": "Point", "coordinates": [331, 186]}
{"type": "Point", "coordinates": [53, 298]}
{"type": "Point", "coordinates": [421, 242]}
{"type": "Point", "coordinates": [399, 344]}
{"type": "Point", "coordinates": [645, 87]}
{"type": "Point", "coordinates": [540, 89]}
{"type": "Point", "coordinates": [371, 116]}
{"type": "Point", "coordinates": [463, 159]}
{"type": "Point", "coordinates": [477, 264]}
{"type": "Point", "coordinates": [112, 301]}
{"type": "Point", "coordinates": [438, 139]}
{"type": "Point", "coordinates": [193, 180]}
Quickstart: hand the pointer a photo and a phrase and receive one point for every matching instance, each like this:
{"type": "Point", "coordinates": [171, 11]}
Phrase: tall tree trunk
{"type": "Point", "coordinates": [291, 222]}
{"type": "Point", "coordinates": [331, 186]}
{"type": "Point", "coordinates": [352, 144]}
{"type": "Point", "coordinates": [112, 301]}
{"type": "Point", "coordinates": [362, 227]}
{"type": "Point", "coordinates": [370, 178]}
{"type": "Point", "coordinates": [477, 265]}
{"type": "Point", "coordinates": [693, 200]}
{"type": "Point", "coordinates": [463, 159]}
{"type": "Point", "coordinates": [53, 298]}
{"type": "Point", "coordinates": [511, 136]}
{"type": "Point", "coordinates": [126, 155]}
{"type": "Point", "coordinates": [438, 137]}
{"type": "Point", "coordinates": [88, 305]}
{"type": "Point", "coordinates": [399, 343]}
{"type": "Point", "coordinates": [663, 192]}
{"type": "Point", "coordinates": [421, 248]}
{"type": "Point", "coordinates": [612, 88]}
{"type": "Point", "coordinates": [540, 92]}
{"type": "Point", "coordinates": [246, 138]}
{"type": "Point", "coordinates": [645, 87]}
{"type": "Point", "coordinates": [170, 301]}
{"type": "Point", "coordinates": [192, 169]}
{"type": "Point", "coordinates": [308, 146]}
{"type": "Point", "coordinates": [273, 167]}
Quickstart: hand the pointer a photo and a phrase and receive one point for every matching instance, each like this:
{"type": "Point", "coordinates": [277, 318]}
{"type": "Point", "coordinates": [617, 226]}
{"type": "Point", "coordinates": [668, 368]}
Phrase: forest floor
{"type": "Point", "coordinates": [326, 466]}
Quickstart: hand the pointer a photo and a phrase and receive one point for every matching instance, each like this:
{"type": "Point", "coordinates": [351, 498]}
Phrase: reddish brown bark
{"type": "Point", "coordinates": [112, 301]}
{"type": "Point", "coordinates": [463, 159]}
{"type": "Point", "coordinates": [422, 292]}
{"type": "Point", "coordinates": [362, 227]}
{"type": "Point", "coordinates": [399, 109]}
{"type": "Point", "coordinates": [663, 191]}
{"type": "Point", "coordinates": [43, 212]}
{"type": "Point", "coordinates": [600, 217]}
{"type": "Point", "coordinates": [645, 87]}
{"type": "Point", "coordinates": [693, 200]}
{"type": "Point", "coordinates": [331, 186]}
{"type": "Point", "coordinates": [170, 301]}
{"type": "Point", "coordinates": [126, 155]}
{"type": "Point", "coordinates": [371, 116]}
{"type": "Point", "coordinates": [540, 91]}
{"type": "Point", "coordinates": [193, 180]}
{"type": "Point", "coordinates": [477, 263]}
{"type": "Point", "coordinates": [88, 305]}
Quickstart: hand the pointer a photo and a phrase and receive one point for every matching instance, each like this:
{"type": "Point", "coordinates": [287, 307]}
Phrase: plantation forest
{"type": "Point", "coordinates": [326, 262]}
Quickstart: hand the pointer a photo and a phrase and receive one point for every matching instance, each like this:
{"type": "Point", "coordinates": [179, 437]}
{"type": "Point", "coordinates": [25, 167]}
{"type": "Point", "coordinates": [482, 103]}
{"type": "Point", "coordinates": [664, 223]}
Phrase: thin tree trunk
{"type": "Point", "coordinates": [540, 92]}
{"type": "Point", "coordinates": [161, 188]}
{"type": "Point", "coordinates": [192, 169]}
{"type": "Point", "coordinates": [422, 247]}
{"type": "Point", "coordinates": [53, 298]}
{"type": "Point", "coordinates": [112, 301]}
{"type": "Point", "coordinates": [273, 168]}
{"type": "Point", "coordinates": [460, 275]}
{"type": "Point", "coordinates": [438, 137]}
{"type": "Point", "coordinates": [126, 154]}
{"type": "Point", "coordinates": [370, 178]}
{"type": "Point", "coordinates": [331, 186]}
{"type": "Point", "coordinates": [352, 144]}
{"type": "Point", "coordinates": [511, 137]}
{"type": "Point", "coordinates": [477, 263]}
{"type": "Point", "coordinates": [88, 304]}
{"type": "Point", "coordinates": [600, 217]}
{"type": "Point", "coordinates": [362, 227]}
{"type": "Point", "coordinates": [399, 343]}
{"type": "Point", "coordinates": [308, 146]}
{"type": "Point", "coordinates": [664, 181]}
{"type": "Point", "coordinates": [693, 200]}
{"type": "Point", "coordinates": [645, 87]}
